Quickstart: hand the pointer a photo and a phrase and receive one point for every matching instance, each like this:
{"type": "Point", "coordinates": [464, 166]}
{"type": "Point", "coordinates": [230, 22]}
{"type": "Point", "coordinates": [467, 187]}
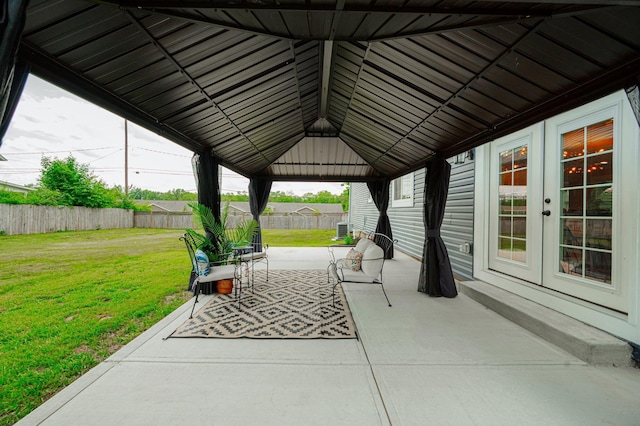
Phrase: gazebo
{"type": "Point", "coordinates": [327, 90]}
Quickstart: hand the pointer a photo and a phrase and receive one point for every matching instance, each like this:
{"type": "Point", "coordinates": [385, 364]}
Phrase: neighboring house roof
{"type": "Point", "coordinates": [8, 186]}
{"type": "Point", "coordinates": [243, 207]}
{"type": "Point", "coordinates": [166, 205]}
{"type": "Point", "coordinates": [301, 208]}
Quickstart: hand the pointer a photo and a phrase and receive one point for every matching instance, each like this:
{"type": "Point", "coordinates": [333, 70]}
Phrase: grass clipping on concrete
{"type": "Point", "coordinates": [69, 300]}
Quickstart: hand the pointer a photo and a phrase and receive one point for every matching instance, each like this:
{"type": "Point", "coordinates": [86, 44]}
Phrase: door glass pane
{"type": "Point", "coordinates": [572, 234]}
{"type": "Point", "coordinates": [505, 226]}
{"type": "Point", "coordinates": [600, 201]}
{"type": "Point", "coordinates": [505, 200]}
{"type": "Point", "coordinates": [506, 179]}
{"type": "Point", "coordinates": [512, 195]}
{"type": "Point", "coordinates": [504, 248]}
{"type": "Point", "coordinates": [573, 144]}
{"type": "Point", "coordinates": [600, 169]}
{"type": "Point", "coordinates": [598, 233]}
{"type": "Point", "coordinates": [506, 160]}
{"type": "Point", "coordinates": [572, 201]}
{"type": "Point", "coordinates": [573, 173]}
{"type": "Point", "coordinates": [600, 137]}
{"type": "Point", "coordinates": [519, 227]}
{"type": "Point", "coordinates": [587, 202]}
{"type": "Point", "coordinates": [571, 262]}
{"type": "Point", "coordinates": [520, 192]}
{"type": "Point", "coordinates": [519, 250]}
{"type": "Point", "coordinates": [598, 266]}
{"type": "Point", "coordinates": [520, 157]}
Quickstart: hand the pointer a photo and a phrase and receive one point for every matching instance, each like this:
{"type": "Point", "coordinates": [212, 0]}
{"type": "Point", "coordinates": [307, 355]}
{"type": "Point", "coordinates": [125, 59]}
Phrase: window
{"type": "Point", "coordinates": [586, 241]}
{"type": "Point", "coordinates": [402, 191]}
{"type": "Point", "coordinates": [512, 196]}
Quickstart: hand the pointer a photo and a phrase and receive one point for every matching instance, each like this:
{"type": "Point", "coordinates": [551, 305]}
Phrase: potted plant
{"type": "Point", "coordinates": [218, 242]}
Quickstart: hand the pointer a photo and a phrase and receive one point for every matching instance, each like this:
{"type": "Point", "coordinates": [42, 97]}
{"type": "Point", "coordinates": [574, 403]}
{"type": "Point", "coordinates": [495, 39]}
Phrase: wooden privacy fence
{"type": "Point", "coordinates": [295, 221]}
{"type": "Point", "coordinates": [180, 220]}
{"type": "Point", "coordinates": [16, 219]}
{"type": "Point", "coordinates": [166, 220]}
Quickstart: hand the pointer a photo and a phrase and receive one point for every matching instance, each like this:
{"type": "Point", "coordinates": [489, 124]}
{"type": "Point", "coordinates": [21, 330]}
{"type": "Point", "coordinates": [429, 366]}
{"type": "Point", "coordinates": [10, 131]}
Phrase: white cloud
{"type": "Point", "coordinates": [51, 122]}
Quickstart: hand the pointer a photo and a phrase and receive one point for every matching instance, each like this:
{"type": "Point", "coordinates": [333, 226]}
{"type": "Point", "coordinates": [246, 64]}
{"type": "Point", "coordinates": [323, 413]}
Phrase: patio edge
{"type": "Point", "coordinates": [587, 343]}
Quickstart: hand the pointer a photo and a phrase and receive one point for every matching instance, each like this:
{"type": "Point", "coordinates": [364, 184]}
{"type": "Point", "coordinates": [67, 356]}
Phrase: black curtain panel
{"type": "Point", "coordinates": [12, 75]}
{"type": "Point", "coordinates": [436, 276]}
{"type": "Point", "coordinates": [380, 193]}
{"type": "Point", "coordinates": [8, 104]}
{"type": "Point", "coordinates": [206, 170]}
{"type": "Point", "coordinates": [259, 190]}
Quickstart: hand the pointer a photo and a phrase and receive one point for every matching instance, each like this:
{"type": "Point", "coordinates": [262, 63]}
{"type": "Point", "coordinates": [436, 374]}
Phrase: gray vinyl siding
{"type": "Point", "coordinates": [363, 215]}
{"type": "Point", "coordinates": [457, 226]}
{"type": "Point", "coordinates": [407, 223]}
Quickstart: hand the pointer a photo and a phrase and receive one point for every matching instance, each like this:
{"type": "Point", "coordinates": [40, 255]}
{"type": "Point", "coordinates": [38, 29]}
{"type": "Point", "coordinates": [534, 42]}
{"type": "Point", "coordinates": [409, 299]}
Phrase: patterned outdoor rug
{"type": "Point", "coordinates": [292, 305]}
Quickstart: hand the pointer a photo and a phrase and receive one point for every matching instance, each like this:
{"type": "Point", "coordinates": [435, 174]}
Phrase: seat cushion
{"type": "Point", "coordinates": [347, 275]}
{"type": "Point", "coordinates": [372, 260]}
{"type": "Point", "coordinates": [253, 256]}
{"type": "Point", "coordinates": [223, 272]}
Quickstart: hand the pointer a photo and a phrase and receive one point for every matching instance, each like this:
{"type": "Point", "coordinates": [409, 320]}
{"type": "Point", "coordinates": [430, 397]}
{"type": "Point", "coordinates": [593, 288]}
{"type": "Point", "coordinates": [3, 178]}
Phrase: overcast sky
{"type": "Point", "coordinates": [54, 123]}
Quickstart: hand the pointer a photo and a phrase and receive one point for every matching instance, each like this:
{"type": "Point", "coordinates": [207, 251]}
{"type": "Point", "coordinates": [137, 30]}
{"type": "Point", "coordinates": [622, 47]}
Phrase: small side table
{"type": "Point", "coordinates": [244, 255]}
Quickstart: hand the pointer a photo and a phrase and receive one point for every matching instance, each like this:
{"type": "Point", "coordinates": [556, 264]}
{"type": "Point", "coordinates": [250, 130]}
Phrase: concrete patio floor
{"type": "Point", "coordinates": [424, 361]}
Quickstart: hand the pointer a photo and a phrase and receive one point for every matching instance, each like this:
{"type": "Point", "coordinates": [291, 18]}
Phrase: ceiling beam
{"type": "Point", "coordinates": [573, 2]}
{"type": "Point", "coordinates": [325, 75]}
{"type": "Point", "coordinates": [329, 7]}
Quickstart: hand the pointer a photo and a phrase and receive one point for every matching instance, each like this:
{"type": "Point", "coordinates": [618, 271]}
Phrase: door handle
{"type": "Point", "coordinates": [546, 213]}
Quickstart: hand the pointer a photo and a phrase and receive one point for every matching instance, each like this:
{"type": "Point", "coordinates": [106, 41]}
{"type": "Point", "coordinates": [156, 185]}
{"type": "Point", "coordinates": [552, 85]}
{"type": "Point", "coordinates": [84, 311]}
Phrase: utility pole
{"type": "Point", "coordinates": [126, 159]}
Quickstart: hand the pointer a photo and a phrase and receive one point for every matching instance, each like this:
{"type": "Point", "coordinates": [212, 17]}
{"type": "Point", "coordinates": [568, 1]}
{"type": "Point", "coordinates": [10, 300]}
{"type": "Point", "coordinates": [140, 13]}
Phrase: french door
{"type": "Point", "coordinates": [554, 206]}
{"type": "Point", "coordinates": [515, 245]}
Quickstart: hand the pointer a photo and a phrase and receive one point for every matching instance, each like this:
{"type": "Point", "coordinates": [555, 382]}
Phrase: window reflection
{"type": "Point", "coordinates": [512, 195]}
{"type": "Point", "coordinates": [587, 202]}
{"type": "Point", "coordinates": [600, 137]}
{"type": "Point", "coordinates": [600, 169]}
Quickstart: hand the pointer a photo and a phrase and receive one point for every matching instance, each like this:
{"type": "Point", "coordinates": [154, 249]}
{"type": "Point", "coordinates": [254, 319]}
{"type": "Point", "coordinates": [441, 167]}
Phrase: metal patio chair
{"type": "Point", "coordinates": [217, 271]}
{"type": "Point", "coordinates": [371, 263]}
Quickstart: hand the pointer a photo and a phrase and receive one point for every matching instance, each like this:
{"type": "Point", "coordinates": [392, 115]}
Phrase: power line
{"type": "Point", "coordinates": [160, 152]}
{"type": "Point", "coordinates": [105, 156]}
{"type": "Point", "coordinates": [58, 152]}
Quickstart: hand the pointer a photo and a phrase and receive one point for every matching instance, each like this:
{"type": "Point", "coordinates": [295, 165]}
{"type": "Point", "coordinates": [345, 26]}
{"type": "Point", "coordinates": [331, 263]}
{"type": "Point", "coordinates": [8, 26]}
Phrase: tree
{"type": "Point", "coordinates": [344, 197]}
{"type": "Point", "coordinates": [75, 184]}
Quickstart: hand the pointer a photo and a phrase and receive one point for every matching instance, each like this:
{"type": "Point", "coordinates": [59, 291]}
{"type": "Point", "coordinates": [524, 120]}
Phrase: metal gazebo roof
{"type": "Point", "coordinates": [334, 89]}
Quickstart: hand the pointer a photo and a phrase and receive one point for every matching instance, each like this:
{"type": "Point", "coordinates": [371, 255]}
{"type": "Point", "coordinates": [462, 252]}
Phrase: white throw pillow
{"type": "Point", "coordinates": [362, 245]}
{"type": "Point", "coordinates": [372, 260]}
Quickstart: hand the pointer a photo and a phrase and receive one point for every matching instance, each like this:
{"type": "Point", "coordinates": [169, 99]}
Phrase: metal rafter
{"type": "Point", "coordinates": [355, 86]}
{"type": "Point", "coordinates": [445, 102]}
{"type": "Point", "coordinates": [191, 80]}
{"type": "Point", "coordinates": [48, 68]}
{"type": "Point", "coordinates": [610, 80]}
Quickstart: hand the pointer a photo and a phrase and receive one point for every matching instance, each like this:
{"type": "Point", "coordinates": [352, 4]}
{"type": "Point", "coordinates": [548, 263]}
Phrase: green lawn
{"type": "Point", "coordinates": [68, 300]}
{"type": "Point", "coordinates": [298, 237]}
